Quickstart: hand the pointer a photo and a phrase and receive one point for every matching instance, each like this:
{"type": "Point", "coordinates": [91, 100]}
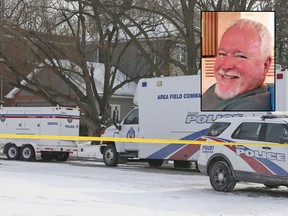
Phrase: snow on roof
{"type": "Point", "coordinates": [158, 29]}
{"type": "Point", "coordinates": [99, 68]}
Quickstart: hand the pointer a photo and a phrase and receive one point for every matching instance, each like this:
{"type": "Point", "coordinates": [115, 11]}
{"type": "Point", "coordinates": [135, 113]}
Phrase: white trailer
{"type": "Point", "coordinates": [55, 121]}
{"type": "Point", "coordinates": [168, 108]}
{"type": "Point", "coordinates": [281, 95]}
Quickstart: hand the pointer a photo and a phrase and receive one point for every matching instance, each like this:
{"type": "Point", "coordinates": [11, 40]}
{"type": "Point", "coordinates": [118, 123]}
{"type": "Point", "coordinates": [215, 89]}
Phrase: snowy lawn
{"type": "Point", "coordinates": [83, 188]}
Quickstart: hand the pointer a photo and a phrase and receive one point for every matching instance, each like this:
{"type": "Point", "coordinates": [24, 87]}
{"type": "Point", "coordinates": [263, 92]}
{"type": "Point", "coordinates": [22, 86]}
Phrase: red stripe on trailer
{"type": "Point", "coordinates": [25, 116]}
{"type": "Point", "coordinates": [279, 76]}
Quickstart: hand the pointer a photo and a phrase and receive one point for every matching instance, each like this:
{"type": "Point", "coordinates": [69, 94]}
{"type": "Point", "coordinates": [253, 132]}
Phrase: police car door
{"type": "Point", "coordinates": [130, 129]}
{"type": "Point", "coordinates": [272, 156]}
{"type": "Point", "coordinates": [246, 156]}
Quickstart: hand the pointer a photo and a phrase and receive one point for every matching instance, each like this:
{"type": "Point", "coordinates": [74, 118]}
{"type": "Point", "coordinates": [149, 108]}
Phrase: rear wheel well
{"type": "Point", "coordinates": [102, 147]}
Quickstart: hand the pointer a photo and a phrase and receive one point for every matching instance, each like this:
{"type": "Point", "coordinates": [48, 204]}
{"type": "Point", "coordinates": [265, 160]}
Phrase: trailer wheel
{"type": "Point", "coordinates": [63, 156]}
{"type": "Point", "coordinates": [27, 153]}
{"type": "Point", "coordinates": [110, 155]}
{"type": "Point", "coordinates": [155, 162]}
{"type": "Point", "coordinates": [221, 178]}
{"type": "Point", "coordinates": [271, 186]}
{"type": "Point", "coordinates": [12, 152]}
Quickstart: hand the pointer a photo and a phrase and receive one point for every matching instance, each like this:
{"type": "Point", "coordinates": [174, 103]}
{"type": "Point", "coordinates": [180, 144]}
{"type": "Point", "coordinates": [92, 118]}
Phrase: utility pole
{"type": "Point", "coordinates": [1, 86]}
{"type": "Point", "coordinates": [1, 49]}
{"type": "Point", "coordinates": [1, 24]}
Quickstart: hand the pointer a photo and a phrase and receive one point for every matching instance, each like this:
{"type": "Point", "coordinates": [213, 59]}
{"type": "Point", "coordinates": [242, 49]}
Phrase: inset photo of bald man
{"type": "Point", "coordinates": [237, 61]}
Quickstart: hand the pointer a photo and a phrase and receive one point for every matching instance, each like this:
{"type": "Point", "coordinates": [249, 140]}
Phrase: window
{"type": "Point", "coordinates": [276, 132]}
{"type": "Point", "coordinates": [99, 56]}
{"type": "Point", "coordinates": [1, 50]}
{"type": "Point", "coordinates": [132, 118]}
{"type": "Point", "coordinates": [217, 128]}
{"type": "Point", "coordinates": [115, 107]}
{"type": "Point", "coordinates": [35, 52]}
{"type": "Point", "coordinates": [181, 54]}
{"type": "Point", "coordinates": [248, 130]}
{"type": "Point", "coordinates": [209, 33]}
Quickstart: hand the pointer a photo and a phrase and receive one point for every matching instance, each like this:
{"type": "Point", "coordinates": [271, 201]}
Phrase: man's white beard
{"type": "Point", "coordinates": [226, 95]}
{"type": "Point", "coordinates": [234, 90]}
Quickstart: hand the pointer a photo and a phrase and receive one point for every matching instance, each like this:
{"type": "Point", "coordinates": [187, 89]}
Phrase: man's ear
{"type": "Point", "coordinates": [267, 64]}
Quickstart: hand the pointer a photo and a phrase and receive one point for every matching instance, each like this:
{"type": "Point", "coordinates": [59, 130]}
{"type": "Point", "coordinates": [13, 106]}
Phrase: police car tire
{"type": "Point", "coordinates": [221, 178]}
{"type": "Point", "coordinates": [110, 156]}
{"type": "Point", "coordinates": [27, 153]}
{"type": "Point", "coordinates": [13, 152]}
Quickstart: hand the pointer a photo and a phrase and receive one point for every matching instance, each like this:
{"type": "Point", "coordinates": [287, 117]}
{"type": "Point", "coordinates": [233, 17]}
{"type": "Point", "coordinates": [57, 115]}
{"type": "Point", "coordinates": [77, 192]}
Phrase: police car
{"type": "Point", "coordinates": [259, 155]}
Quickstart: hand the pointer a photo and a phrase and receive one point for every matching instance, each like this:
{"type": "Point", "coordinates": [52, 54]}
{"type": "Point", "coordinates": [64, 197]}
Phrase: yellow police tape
{"type": "Point", "coordinates": [136, 140]}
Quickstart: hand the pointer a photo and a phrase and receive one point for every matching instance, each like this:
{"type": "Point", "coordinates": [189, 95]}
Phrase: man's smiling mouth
{"type": "Point", "coordinates": [229, 76]}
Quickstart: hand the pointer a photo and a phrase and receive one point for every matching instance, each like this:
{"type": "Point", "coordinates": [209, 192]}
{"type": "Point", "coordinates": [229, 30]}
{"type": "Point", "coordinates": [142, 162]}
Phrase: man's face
{"type": "Point", "coordinates": [239, 66]}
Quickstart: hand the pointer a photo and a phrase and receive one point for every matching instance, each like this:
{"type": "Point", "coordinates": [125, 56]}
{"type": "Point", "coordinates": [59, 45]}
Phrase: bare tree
{"type": "Point", "coordinates": [77, 25]}
{"type": "Point", "coordinates": [234, 5]}
{"type": "Point", "coordinates": [177, 18]}
{"type": "Point", "coordinates": [73, 29]}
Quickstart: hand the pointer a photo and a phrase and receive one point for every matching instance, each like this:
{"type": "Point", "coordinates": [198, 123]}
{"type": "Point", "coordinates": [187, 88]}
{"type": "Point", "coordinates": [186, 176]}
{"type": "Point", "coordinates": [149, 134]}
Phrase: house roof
{"type": "Point", "coordinates": [152, 29]}
{"type": "Point", "coordinates": [127, 90]}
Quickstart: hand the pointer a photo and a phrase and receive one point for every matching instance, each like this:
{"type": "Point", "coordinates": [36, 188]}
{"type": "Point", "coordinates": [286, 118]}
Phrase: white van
{"type": "Point", "coordinates": [167, 108]}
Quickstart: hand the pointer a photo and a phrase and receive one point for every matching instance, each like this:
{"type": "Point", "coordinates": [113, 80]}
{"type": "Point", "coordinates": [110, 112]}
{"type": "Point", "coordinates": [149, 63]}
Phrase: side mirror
{"type": "Point", "coordinates": [116, 119]}
{"type": "Point", "coordinates": [283, 140]}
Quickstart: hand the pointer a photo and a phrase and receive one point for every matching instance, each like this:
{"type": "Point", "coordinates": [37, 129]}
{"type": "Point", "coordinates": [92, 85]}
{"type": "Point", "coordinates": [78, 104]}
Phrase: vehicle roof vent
{"type": "Point", "coordinates": [268, 117]}
{"type": "Point", "coordinates": [273, 116]}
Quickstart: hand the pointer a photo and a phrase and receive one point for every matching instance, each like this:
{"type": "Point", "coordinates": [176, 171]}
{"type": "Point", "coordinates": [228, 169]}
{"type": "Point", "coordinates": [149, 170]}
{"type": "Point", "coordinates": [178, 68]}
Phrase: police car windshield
{"type": "Point", "coordinates": [217, 128]}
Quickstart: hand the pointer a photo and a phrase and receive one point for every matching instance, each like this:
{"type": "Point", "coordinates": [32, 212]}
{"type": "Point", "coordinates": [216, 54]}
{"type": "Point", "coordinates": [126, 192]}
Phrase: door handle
{"type": "Point", "coordinates": [266, 147]}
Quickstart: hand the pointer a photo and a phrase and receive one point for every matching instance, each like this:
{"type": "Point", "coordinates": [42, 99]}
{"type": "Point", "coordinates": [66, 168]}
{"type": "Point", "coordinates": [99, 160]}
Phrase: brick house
{"type": "Point", "coordinates": [132, 64]}
{"type": "Point", "coordinates": [122, 98]}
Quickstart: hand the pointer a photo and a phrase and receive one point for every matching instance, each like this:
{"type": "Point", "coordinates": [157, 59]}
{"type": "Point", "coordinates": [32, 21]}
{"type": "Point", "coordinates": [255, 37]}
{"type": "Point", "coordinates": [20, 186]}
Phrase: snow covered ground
{"type": "Point", "coordinates": [88, 188]}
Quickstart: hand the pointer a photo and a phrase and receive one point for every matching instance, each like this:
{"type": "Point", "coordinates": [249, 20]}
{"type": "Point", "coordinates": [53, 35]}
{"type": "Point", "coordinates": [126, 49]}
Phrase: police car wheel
{"type": "Point", "coordinates": [12, 152]}
{"type": "Point", "coordinates": [27, 153]}
{"type": "Point", "coordinates": [110, 155]}
{"type": "Point", "coordinates": [221, 178]}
